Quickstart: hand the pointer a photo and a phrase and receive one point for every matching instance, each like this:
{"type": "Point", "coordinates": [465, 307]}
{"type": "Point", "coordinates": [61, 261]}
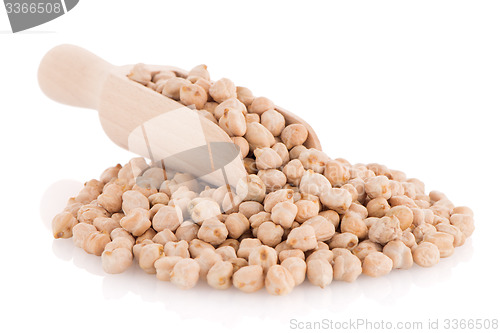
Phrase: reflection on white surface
{"type": "Point", "coordinates": [55, 197]}
{"type": "Point", "coordinates": [304, 299]}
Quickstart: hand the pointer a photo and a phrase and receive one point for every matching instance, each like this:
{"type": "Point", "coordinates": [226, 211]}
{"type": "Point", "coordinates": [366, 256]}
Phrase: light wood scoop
{"type": "Point", "coordinates": [143, 121]}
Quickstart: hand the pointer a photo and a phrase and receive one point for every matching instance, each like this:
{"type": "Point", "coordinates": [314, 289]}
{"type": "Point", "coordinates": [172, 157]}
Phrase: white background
{"type": "Point", "coordinates": [413, 85]}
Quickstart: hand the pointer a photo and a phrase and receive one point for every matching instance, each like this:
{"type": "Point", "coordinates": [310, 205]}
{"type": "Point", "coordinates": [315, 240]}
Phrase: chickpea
{"type": "Point", "coordinates": [284, 214]}
{"type": "Point", "coordinates": [294, 170]}
{"type": "Point", "coordinates": [62, 225]}
{"type": "Point", "coordinates": [359, 185]}
{"type": "Point", "coordinates": [464, 222]}
{"type": "Point", "coordinates": [323, 229]}
{"type": "Point", "coordinates": [320, 272]}
{"type": "Point", "coordinates": [337, 199]}
{"type": "Point", "coordinates": [198, 72]}
{"type": "Point", "coordinates": [302, 238]}
{"type": "Point", "coordinates": [377, 264]}
{"type": "Point", "coordinates": [280, 148]}
{"type": "Point", "coordinates": [206, 259]}
{"type": "Point", "coordinates": [378, 207]}
{"type": "Point", "coordinates": [294, 135]}
{"type": "Point", "coordinates": [110, 173]}
{"type": "Point", "coordinates": [148, 255]}
{"type": "Point", "coordinates": [259, 218]}
{"type": "Point", "coordinates": [458, 236]}
{"type": "Point", "coordinates": [167, 217]}
{"type": "Point", "coordinates": [331, 216]}
{"type": "Point", "coordinates": [404, 215]}
{"type": "Point", "coordinates": [338, 251]}
{"type": "Point", "coordinates": [273, 198]}
{"type": "Point", "coordinates": [353, 223]}
{"type": "Point", "coordinates": [222, 90]}
{"type": "Point", "coordinates": [402, 200]}
{"type": "Point", "coordinates": [172, 87]}
{"type": "Point", "coordinates": [242, 145]}
{"type": "Point", "coordinates": [346, 267]}
{"type": "Point", "coordinates": [95, 242]}
{"type": "Point", "coordinates": [188, 230]}
{"type": "Point", "coordinates": [270, 233]}
{"type": "Point", "coordinates": [443, 241]}
{"type": "Point", "coordinates": [273, 179]}
{"type": "Point", "coordinates": [297, 267]}
{"type": "Point", "coordinates": [252, 118]}
{"type": "Point", "coordinates": [140, 74]}
{"type": "Point", "coordinates": [399, 253]}
{"type": "Point", "coordinates": [426, 254]}
{"type": "Point", "coordinates": [250, 208]}
{"type": "Point", "coordinates": [233, 122]}
{"type": "Point", "coordinates": [158, 198]}
{"type": "Point", "coordinates": [247, 245]}
{"type": "Point", "coordinates": [279, 281]}
{"type": "Point", "coordinates": [249, 278]}
{"type": "Point", "coordinates": [344, 240]}
{"type": "Point", "coordinates": [258, 136]}
{"type": "Point", "coordinates": [193, 94]}
{"type": "Point", "coordinates": [236, 224]}
{"type": "Point", "coordinates": [306, 209]}
{"type": "Point", "coordinates": [324, 254]}
{"type": "Point", "coordinates": [90, 192]}
{"type": "Point", "coordinates": [378, 187]}
{"type": "Point", "coordinates": [185, 274]}
{"type": "Point", "coordinates": [122, 233]}
{"type": "Point", "coordinates": [244, 95]}
{"type": "Point", "coordinates": [164, 237]}
{"type": "Point", "coordinates": [226, 252]}
{"type": "Point", "coordinates": [136, 221]}
{"type": "Point", "coordinates": [313, 159]}
{"type": "Point", "coordinates": [87, 213]}
{"type": "Point", "coordinates": [106, 224]}
{"type": "Point", "coordinates": [284, 254]}
{"type": "Point", "coordinates": [462, 210]}
{"type": "Point", "coordinates": [213, 231]}
{"type": "Point", "coordinates": [273, 121]}
{"type": "Point", "coordinates": [219, 275]}
{"type": "Point", "coordinates": [260, 105]}
{"type": "Point", "coordinates": [134, 199]}
{"type": "Point", "coordinates": [385, 230]}
{"type": "Point", "coordinates": [423, 229]}
{"type": "Point", "coordinates": [267, 158]}
{"type": "Point", "coordinates": [144, 186]}
{"type": "Point", "coordinates": [116, 261]}
{"type": "Point", "coordinates": [148, 234]}
{"type": "Point", "coordinates": [296, 151]}
{"type": "Point", "coordinates": [164, 267]}
{"type": "Point", "coordinates": [177, 249]}
{"type": "Point", "coordinates": [202, 209]}
{"type": "Point", "coordinates": [111, 198]}
{"type": "Point", "coordinates": [336, 173]}
{"type": "Point", "coordinates": [314, 183]}
{"type": "Point", "coordinates": [366, 247]}
{"type": "Point", "coordinates": [397, 189]}
{"type": "Point", "coordinates": [264, 256]}
{"type": "Point", "coordinates": [408, 238]}
{"type": "Point", "coordinates": [238, 263]}
{"type": "Point", "coordinates": [73, 208]}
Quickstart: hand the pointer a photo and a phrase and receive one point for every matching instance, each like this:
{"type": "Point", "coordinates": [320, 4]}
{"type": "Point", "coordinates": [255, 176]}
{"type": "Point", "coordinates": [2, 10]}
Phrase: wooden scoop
{"type": "Point", "coordinates": [143, 121]}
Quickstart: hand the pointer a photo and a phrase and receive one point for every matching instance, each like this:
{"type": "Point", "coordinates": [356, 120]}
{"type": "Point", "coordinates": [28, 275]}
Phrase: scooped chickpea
{"type": "Point", "coordinates": [188, 230]}
{"type": "Point", "coordinates": [249, 278]}
{"type": "Point", "coordinates": [202, 209]}
{"type": "Point", "coordinates": [273, 198]}
{"type": "Point", "coordinates": [426, 254]}
{"type": "Point", "coordinates": [273, 179]}
{"type": "Point", "coordinates": [294, 135]}
{"type": "Point", "coordinates": [134, 199]}
{"type": "Point", "coordinates": [148, 255]}
{"type": "Point", "coordinates": [273, 121]}
{"type": "Point", "coordinates": [110, 173]}
{"type": "Point", "coordinates": [233, 122]}
{"type": "Point", "coordinates": [172, 87]}
{"type": "Point", "coordinates": [323, 229]}
{"type": "Point", "coordinates": [198, 72]}
{"type": "Point", "coordinates": [242, 144]}
{"type": "Point", "coordinates": [377, 264]}
{"type": "Point", "coordinates": [213, 231]}
{"type": "Point", "coordinates": [244, 95]}
{"type": "Point", "coordinates": [236, 224]}
{"type": "Point", "coordinates": [366, 247]}
{"type": "Point", "coordinates": [458, 236]}
{"type": "Point", "coordinates": [306, 209]}
{"type": "Point", "coordinates": [314, 183]}
{"type": "Point", "coordinates": [229, 104]}
{"type": "Point", "coordinates": [284, 214]}
{"type": "Point", "coordinates": [302, 238]}
{"type": "Point", "coordinates": [260, 105]}
{"type": "Point", "coordinates": [443, 241]}
{"type": "Point", "coordinates": [346, 267]}
{"type": "Point", "coordinates": [385, 230]}
{"type": "Point", "coordinates": [62, 225]}
{"type": "Point", "coordinates": [344, 240]}
{"type": "Point", "coordinates": [270, 233]}
{"type": "Point", "coordinates": [185, 274]}
{"type": "Point", "coordinates": [193, 94]}
{"type": "Point", "coordinates": [267, 158]}
{"type": "Point", "coordinates": [167, 217]}
{"type": "Point", "coordinates": [319, 272]}
{"type": "Point", "coordinates": [399, 253]}
{"type": "Point", "coordinates": [258, 136]}
{"type": "Point", "coordinates": [222, 90]}
{"type": "Point", "coordinates": [280, 148]}
{"type": "Point", "coordinates": [336, 198]}
{"type": "Point", "coordinates": [136, 221]}
{"type": "Point", "coordinates": [404, 215]}
{"type": "Point", "coordinates": [464, 222]}
{"type": "Point", "coordinates": [164, 267]}
{"type": "Point", "coordinates": [294, 170]}
{"type": "Point", "coordinates": [264, 256]}
{"type": "Point", "coordinates": [279, 281]}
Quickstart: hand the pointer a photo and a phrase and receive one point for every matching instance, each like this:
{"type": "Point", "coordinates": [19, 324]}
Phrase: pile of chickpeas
{"type": "Point", "coordinates": [297, 214]}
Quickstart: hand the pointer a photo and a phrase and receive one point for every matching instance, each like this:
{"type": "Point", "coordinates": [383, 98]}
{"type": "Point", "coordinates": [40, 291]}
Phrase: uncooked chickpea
{"type": "Point", "coordinates": [117, 260]}
{"type": "Point", "coordinates": [120, 232]}
{"type": "Point", "coordinates": [258, 136]}
{"type": "Point", "coordinates": [280, 148]}
{"type": "Point", "coordinates": [193, 94]}
{"type": "Point", "coordinates": [206, 259]}
{"type": "Point", "coordinates": [213, 231]}
{"type": "Point", "coordinates": [249, 278]}
{"type": "Point", "coordinates": [164, 236]}
{"type": "Point", "coordinates": [313, 159]}
{"type": "Point", "coordinates": [106, 224]}
{"type": "Point", "coordinates": [458, 236]}
{"type": "Point", "coordinates": [242, 145]}
{"type": "Point", "coordinates": [234, 243]}
{"type": "Point", "coordinates": [185, 274]}
{"type": "Point", "coordinates": [233, 122]}
{"type": "Point", "coordinates": [319, 272]}
{"type": "Point", "coordinates": [366, 247]}
{"type": "Point", "coordinates": [464, 222]}
{"type": "Point", "coordinates": [111, 198]}
{"type": "Point", "coordinates": [178, 249]}
{"type": "Point", "coordinates": [284, 254]}
{"type": "Point", "coordinates": [134, 199]}
{"type": "Point", "coordinates": [354, 223]}
{"type": "Point", "coordinates": [324, 254]}
{"type": "Point", "coordinates": [219, 275]}
{"type": "Point", "coordinates": [167, 217]}
{"type": "Point", "coordinates": [90, 192]}
{"type": "Point", "coordinates": [331, 216]}
{"type": "Point", "coordinates": [402, 200]}
{"type": "Point", "coordinates": [244, 95]}
{"type": "Point", "coordinates": [404, 215]}
{"type": "Point", "coordinates": [276, 197]}
{"type": "Point", "coordinates": [252, 118]}
{"type": "Point", "coordinates": [259, 218]}
{"type": "Point", "coordinates": [443, 241]}
{"type": "Point", "coordinates": [305, 210]}
{"type": "Point", "coordinates": [284, 214]}
{"type": "Point", "coordinates": [260, 105]}
{"type": "Point", "coordinates": [264, 256]}
{"type": "Point", "coordinates": [377, 264]}
{"type": "Point", "coordinates": [136, 221]}
{"type": "Point", "coordinates": [314, 183]}
{"type": "Point", "coordinates": [273, 179]}
{"type": "Point", "coordinates": [226, 252]}
{"type": "Point", "coordinates": [346, 267]}
{"type": "Point", "coordinates": [62, 225]}
{"type": "Point", "coordinates": [198, 72]}
{"type": "Point", "coordinates": [247, 245]}
{"type": "Point", "coordinates": [267, 158]}
{"type": "Point", "coordinates": [399, 253]}
{"type": "Point", "coordinates": [229, 104]}
{"type": "Point", "coordinates": [87, 213]}
{"type": "Point", "coordinates": [343, 240]}
{"type": "Point", "coordinates": [236, 224]}
{"type": "Point", "coordinates": [296, 151]}
{"type": "Point", "coordinates": [110, 173]}
{"type": "Point", "coordinates": [378, 187]}
{"type": "Point", "coordinates": [462, 210]}
{"type": "Point", "coordinates": [408, 238]}
{"type": "Point", "coordinates": [249, 208]}
{"type": "Point", "coordinates": [425, 254]}
{"type": "Point", "coordinates": [202, 209]}
{"type": "Point", "coordinates": [385, 230]}
{"type": "Point", "coordinates": [273, 121]}
{"type": "Point", "coordinates": [378, 207]}
{"type": "Point", "coordinates": [164, 267]}
{"type": "Point", "coordinates": [279, 281]}
{"type": "Point", "coordinates": [294, 170]}
{"type": "Point", "coordinates": [302, 238]}
{"type": "Point", "coordinates": [172, 87]}
{"type": "Point", "coordinates": [222, 90]}
{"type": "Point", "coordinates": [323, 229]}
{"type": "Point", "coordinates": [337, 173]}
{"type": "Point", "coordinates": [148, 234]}
{"type": "Point", "coordinates": [294, 135]}
{"type": "Point", "coordinates": [336, 198]}
{"type": "Point", "coordinates": [270, 233]}
{"type": "Point", "coordinates": [423, 229]}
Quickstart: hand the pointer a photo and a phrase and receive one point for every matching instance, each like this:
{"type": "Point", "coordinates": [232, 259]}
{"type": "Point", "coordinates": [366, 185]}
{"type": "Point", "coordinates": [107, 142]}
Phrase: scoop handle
{"type": "Point", "coordinates": [71, 75]}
